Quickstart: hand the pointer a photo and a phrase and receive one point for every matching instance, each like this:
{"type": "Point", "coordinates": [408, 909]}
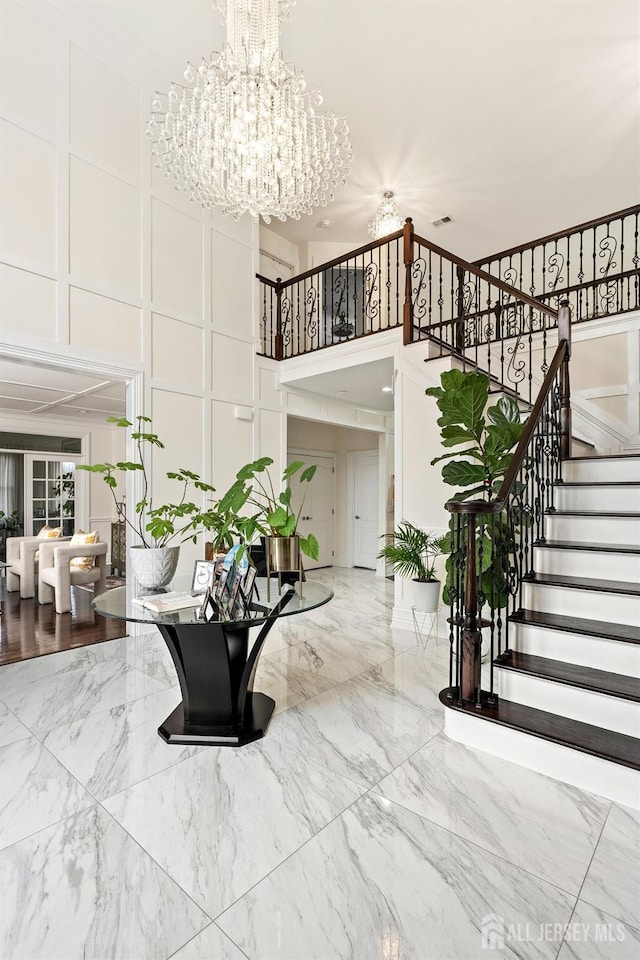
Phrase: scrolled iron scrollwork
{"type": "Point", "coordinates": [607, 247]}
{"type": "Point", "coordinates": [311, 313]}
{"type": "Point", "coordinates": [418, 274]}
{"type": "Point", "coordinates": [555, 266]}
{"type": "Point", "coordinates": [286, 326]}
{"type": "Point", "coordinates": [607, 292]}
{"type": "Point", "coordinates": [371, 278]}
{"type": "Point", "coordinates": [517, 366]}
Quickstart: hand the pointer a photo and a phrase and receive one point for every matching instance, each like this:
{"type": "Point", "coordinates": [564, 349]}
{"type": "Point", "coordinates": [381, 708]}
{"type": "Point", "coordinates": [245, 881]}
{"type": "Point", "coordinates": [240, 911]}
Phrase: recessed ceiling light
{"type": "Point", "coordinates": [441, 221]}
{"type": "Point", "coordinates": [324, 224]}
{"type": "Point", "coordinates": [387, 389]}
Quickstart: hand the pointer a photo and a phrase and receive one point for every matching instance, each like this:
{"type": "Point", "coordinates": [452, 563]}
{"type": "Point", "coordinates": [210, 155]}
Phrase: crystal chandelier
{"type": "Point", "coordinates": [241, 133]}
{"type": "Point", "coordinates": [387, 218]}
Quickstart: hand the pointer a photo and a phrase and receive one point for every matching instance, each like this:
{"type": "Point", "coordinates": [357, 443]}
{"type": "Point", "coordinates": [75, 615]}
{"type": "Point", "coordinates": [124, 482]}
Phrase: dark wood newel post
{"type": "Point", "coordinates": [279, 342]}
{"type": "Point", "coordinates": [471, 635]}
{"type": "Point", "coordinates": [564, 333]}
{"type": "Point", "coordinates": [407, 313]}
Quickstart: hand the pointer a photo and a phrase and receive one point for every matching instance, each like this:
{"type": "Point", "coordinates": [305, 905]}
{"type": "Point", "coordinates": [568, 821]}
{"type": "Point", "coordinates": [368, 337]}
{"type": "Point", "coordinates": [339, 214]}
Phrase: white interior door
{"type": "Point", "coordinates": [318, 511]}
{"type": "Point", "coordinates": [365, 509]}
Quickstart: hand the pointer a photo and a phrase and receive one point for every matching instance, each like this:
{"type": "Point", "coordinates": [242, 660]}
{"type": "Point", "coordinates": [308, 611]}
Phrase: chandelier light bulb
{"type": "Point", "coordinates": [387, 219]}
{"type": "Point", "coordinates": [242, 133]}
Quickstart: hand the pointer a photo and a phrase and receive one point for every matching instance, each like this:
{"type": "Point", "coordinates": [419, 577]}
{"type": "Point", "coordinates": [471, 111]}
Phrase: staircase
{"type": "Point", "coordinates": [568, 684]}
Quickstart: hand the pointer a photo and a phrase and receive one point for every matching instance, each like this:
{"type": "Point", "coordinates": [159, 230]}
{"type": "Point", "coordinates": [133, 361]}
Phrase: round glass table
{"type": "Point", "coordinates": [214, 659]}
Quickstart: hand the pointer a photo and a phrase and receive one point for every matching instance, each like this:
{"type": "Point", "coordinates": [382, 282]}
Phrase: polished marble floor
{"type": "Point", "coordinates": [354, 831]}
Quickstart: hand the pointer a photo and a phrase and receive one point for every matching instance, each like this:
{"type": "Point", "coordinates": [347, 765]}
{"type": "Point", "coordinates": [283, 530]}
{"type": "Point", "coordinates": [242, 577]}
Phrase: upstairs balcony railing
{"type": "Point", "coordinates": [593, 267]}
{"type": "Point", "coordinates": [496, 315]}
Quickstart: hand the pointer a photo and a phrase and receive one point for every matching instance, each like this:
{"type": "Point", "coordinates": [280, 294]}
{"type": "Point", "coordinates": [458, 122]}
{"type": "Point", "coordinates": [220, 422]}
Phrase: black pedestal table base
{"type": "Point", "coordinates": [216, 671]}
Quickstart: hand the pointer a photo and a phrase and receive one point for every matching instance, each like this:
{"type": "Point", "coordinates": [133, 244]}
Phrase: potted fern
{"type": "Point", "coordinates": [412, 553]}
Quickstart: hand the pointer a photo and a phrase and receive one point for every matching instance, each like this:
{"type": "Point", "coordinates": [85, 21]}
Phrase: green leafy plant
{"type": "Point", "coordinates": [10, 522]}
{"type": "Point", "coordinates": [489, 436]}
{"type": "Point", "coordinates": [275, 517]}
{"type": "Point", "coordinates": [412, 552]}
{"type": "Point", "coordinates": [156, 526]}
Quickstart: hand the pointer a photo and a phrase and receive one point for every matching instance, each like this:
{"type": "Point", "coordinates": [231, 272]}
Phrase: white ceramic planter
{"type": "Point", "coordinates": [153, 567]}
{"type": "Point", "coordinates": [426, 595]}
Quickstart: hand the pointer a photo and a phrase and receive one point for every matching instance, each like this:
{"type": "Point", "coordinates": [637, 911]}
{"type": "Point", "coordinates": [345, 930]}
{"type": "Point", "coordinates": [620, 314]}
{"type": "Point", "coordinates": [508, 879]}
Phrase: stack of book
{"type": "Point", "coordinates": [166, 602]}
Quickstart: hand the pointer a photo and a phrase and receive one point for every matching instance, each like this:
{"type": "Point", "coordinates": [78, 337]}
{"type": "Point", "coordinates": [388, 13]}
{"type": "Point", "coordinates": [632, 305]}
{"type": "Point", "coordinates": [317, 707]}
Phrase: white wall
{"type": "Point", "coordinates": [103, 264]}
{"type": "Point", "coordinates": [331, 438]}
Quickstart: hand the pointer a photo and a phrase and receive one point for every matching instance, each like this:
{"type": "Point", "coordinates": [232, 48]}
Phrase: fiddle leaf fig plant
{"type": "Point", "coordinates": [488, 436]}
{"type": "Point", "coordinates": [156, 526]}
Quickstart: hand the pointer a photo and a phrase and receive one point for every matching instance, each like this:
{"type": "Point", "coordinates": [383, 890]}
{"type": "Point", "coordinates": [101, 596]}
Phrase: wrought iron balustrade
{"type": "Point", "coordinates": [496, 316]}
{"type": "Point", "coordinates": [594, 266]}
{"type": "Point", "coordinates": [466, 311]}
{"type": "Point", "coordinates": [342, 300]}
{"type": "Point", "coordinates": [487, 578]}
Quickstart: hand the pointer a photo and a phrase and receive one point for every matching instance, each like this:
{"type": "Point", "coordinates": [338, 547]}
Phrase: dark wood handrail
{"type": "Point", "coordinates": [345, 256]}
{"type": "Point", "coordinates": [497, 505]}
{"type": "Point", "coordinates": [488, 278]}
{"type": "Point", "coordinates": [561, 234]}
{"type": "Point", "coordinates": [269, 283]}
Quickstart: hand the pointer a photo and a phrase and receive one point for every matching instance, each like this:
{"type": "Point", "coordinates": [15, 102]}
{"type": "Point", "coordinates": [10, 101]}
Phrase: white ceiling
{"type": "Point", "coordinates": [49, 392]}
{"type": "Point", "coordinates": [361, 384]}
{"type": "Point", "coordinates": [513, 117]}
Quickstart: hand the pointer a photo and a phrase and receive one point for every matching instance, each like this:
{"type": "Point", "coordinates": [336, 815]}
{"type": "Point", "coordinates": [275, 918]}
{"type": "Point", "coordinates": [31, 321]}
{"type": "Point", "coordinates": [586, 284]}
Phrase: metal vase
{"type": "Point", "coordinates": [282, 555]}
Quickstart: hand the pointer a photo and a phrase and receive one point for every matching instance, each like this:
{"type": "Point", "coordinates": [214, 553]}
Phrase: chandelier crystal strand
{"type": "Point", "coordinates": [387, 219]}
{"type": "Point", "coordinates": [242, 133]}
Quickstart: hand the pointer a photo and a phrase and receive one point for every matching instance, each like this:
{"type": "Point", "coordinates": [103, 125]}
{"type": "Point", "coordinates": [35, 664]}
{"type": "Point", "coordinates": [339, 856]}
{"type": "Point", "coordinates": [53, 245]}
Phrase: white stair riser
{"type": "Point", "coordinates": [611, 713]}
{"type": "Point", "coordinates": [588, 604]}
{"type": "Point", "coordinates": [593, 529]}
{"type": "Point", "coordinates": [613, 655]}
{"type": "Point", "coordinates": [615, 469]}
{"type": "Point", "coordinates": [611, 780]}
{"type": "Point", "coordinates": [597, 498]}
{"type": "Point", "coordinates": [588, 563]}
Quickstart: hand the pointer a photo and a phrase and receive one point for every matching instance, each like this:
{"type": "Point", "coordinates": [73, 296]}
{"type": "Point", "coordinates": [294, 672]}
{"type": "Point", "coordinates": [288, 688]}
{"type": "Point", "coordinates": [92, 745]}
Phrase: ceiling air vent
{"type": "Point", "coordinates": [440, 221]}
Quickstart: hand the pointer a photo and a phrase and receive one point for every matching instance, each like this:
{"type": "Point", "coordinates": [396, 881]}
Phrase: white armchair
{"type": "Point", "coordinates": [21, 555]}
{"type": "Point", "coordinates": [56, 575]}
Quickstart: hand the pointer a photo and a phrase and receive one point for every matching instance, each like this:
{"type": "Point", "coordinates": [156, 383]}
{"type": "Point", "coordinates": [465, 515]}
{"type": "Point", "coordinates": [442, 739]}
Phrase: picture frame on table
{"type": "Point", "coordinates": [204, 572]}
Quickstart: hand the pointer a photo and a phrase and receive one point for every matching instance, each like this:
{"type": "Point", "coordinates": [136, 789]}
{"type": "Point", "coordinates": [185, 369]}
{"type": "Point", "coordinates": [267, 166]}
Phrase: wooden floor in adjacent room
{"type": "Point", "coordinates": [29, 629]}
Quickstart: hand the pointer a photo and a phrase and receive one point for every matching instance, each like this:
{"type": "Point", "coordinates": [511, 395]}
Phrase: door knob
{"type": "Point", "coordinates": [357, 517]}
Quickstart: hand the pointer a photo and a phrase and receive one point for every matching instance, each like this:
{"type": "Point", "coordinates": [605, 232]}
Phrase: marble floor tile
{"type": "Point", "coordinates": [594, 935]}
{"type": "Point", "coordinates": [288, 686]}
{"type": "Point", "coordinates": [211, 944]}
{"type": "Point", "coordinates": [113, 749]}
{"type": "Point", "coordinates": [10, 727]}
{"type": "Point", "coordinates": [149, 654]}
{"type": "Point", "coordinates": [13, 676]}
{"type": "Point", "coordinates": [365, 727]}
{"type": "Point", "coordinates": [613, 880]}
{"type": "Point", "coordinates": [495, 804]}
{"type": "Point", "coordinates": [35, 791]}
{"type": "Point", "coordinates": [289, 631]}
{"type": "Point", "coordinates": [337, 656]}
{"type": "Point", "coordinates": [71, 695]}
{"type": "Point", "coordinates": [84, 890]}
{"type": "Point", "coordinates": [381, 882]}
{"type": "Point", "coordinates": [220, 821]}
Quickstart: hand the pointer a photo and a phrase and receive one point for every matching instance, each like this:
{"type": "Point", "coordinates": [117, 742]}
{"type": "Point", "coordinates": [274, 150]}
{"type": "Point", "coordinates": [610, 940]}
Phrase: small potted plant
{"type": "Point", "coordinates": [412, 552]}
{"type": "Point", "coordinates": [154, 560]}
